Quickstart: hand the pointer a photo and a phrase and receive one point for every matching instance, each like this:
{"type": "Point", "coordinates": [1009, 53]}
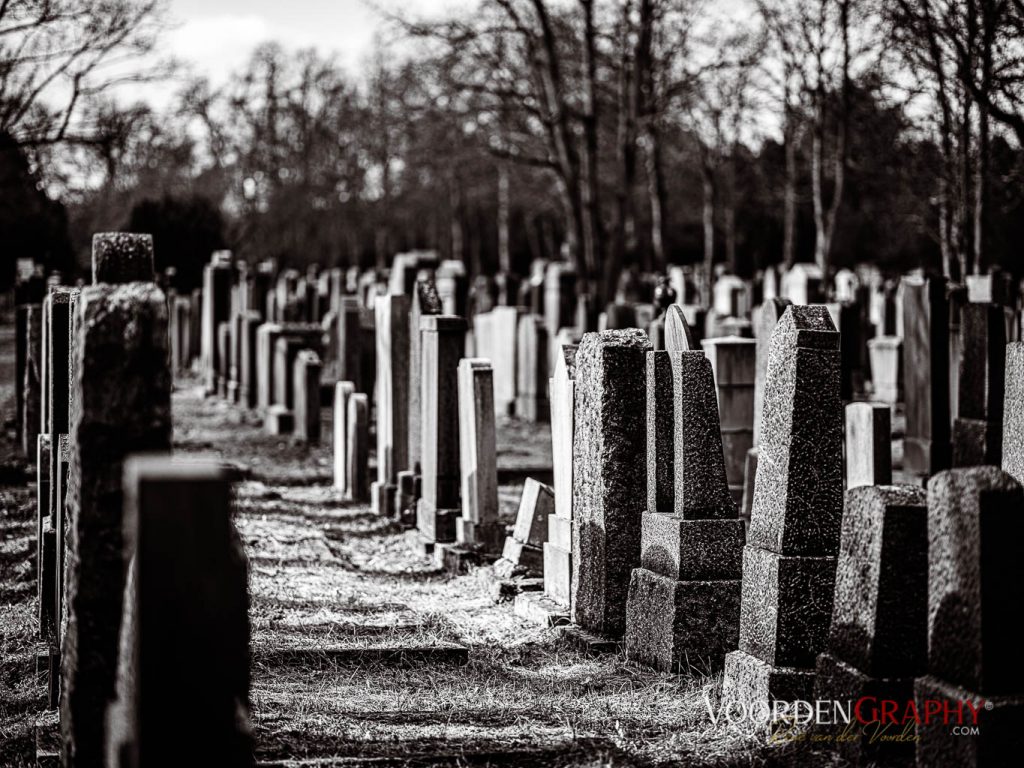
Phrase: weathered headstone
{"type": "Point", "coordinates": [349, 337]}
{"type": "Point", "coordinates": [442, 341]}
{"type": "Point", "coordinates": [926, 446]}
{"type": "Point", "coordinates": [43, 523]}
{"type": "Point", "coordinates": [536, 507]}
{"type": "Point", "coordinates": [684, 599]}
{"type": "Point", "coordinates": [1013, 412]}
{"type": "Point", "coordinates": [868, 444]}
{"type": "Point", "coordinates": [975, 590]}
{"type": "Point", "coordinates": [267, 335]}
{"type": "Point", "coordinates": [886, 356]}
{"type": "Point", "coordinates": [877, 643]}
{"type": "Point", "coordinates": [121, 404]}
{"type": "Point", "coordinates": [425, 301]}
{"type": "Point", "coordinates": [558, 547]}
{"type": "Point", "coordinates": [789, 560]}
{"type": "Point", "coordinates": [978, 427]}
{"type": "Point", "coordinates": [495, 333]}
{"type": "Point", "coordinates": [608, 475]}
{"type": "Point", "coordinates": [478, 523]}
{"type": "Point", "coordinates": [184, 642]}
{"type": "Point", "coordinates": [248, 370]}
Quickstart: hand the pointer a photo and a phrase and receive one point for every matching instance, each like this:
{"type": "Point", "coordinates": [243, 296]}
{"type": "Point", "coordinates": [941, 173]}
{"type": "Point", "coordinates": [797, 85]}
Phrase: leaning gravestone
{"type": "Point", "coordinates": [121, 404]}
{"type": "Point", "coordinates": [684, 599]}
{"type": "Point", "coordinates": [790, 557]}
{"type": "Point", "coordinates": [608, 475]}
{"type": "Point", "coordinates": [184, 643]}
{"type": "Point", "coordinates": [975, 590]}
{"type": "Point", "coordinates": [877, 644]}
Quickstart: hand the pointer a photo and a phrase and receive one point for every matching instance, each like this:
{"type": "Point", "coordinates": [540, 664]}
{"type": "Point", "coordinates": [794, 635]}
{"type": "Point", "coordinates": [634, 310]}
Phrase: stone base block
{"type": "Point", "coordinates": [977, 442]}
{"type": "Point", "coordinates": [278, 421]}
{"type": "Point", "coordinates": [382, 498]}
{"type": "Point", "coordinates": [558, 573]}
{"type": "Point", "coordinates": [489, 537]}
{"type": "Point", "coordinates": [455, 558]}
{"type": "Point", "coordinates": [752, 683]}
{"type": "Point", "coordinates": [47, 740]}
{"type": "Point", "coordinates": [538, 608]}
{"type": "Point", "coordinates": [998, 740]}
{"type": "Point", "coordinates": [587, 642]}
{"type": "Point", "coordinates": [786, 610]}
{"type": "Point", "coordinates": [526, 555]}
{"type": "Point", "coordinates": [691, 550]}
{"type": "Point", "coordinates": [836, 680]}
{"type": "Point", "coordinates": [676, 626]}
{"type": "Point", "coordinates": [435, 524]}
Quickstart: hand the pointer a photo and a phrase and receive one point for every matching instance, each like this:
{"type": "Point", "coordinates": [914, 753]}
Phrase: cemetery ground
{"type": "Point", "coordinates": [335, 589]}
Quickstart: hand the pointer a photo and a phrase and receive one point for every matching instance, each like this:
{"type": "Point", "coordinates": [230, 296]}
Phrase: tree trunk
{"type": "Point", "coordinates": [504, 259]}
{"type": "Point", "coordinates": [707, 178]}
{"type": "Point", "coordinates": [789, 192]}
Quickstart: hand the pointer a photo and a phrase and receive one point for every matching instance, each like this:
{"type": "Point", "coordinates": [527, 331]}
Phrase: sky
{"type": "Point", "coordinates": [215, 37]}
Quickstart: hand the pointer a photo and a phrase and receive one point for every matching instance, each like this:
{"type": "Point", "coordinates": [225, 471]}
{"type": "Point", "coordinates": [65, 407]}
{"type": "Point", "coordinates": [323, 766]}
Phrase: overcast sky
{"type": "Point", "coordinates": [215, 37]}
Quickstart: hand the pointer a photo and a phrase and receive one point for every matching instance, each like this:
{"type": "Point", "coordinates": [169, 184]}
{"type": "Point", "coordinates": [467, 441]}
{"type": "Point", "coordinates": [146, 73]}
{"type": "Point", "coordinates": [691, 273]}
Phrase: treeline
{"type": "Point", "coordinates": [618, 134]}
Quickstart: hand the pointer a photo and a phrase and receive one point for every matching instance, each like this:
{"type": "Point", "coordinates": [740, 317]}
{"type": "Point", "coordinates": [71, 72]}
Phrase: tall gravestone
{"type": "Point", "coordinates": [608, 475]}
{"type": "Point", "coordinates": [306, 387]}
{"type": "Point", "coordinates": [684, 599]}
{"type": "Point", "coordinates": [478, 523]}
{"type": "Point", "coordinates": [978, 427]}
{"type": "Point", "coordinates": [975, 590]}
{"type": "Point", "coordinates": [558, 547]}
{"type": "Point", "coordinates": [120, 405]}
{"type": "Point", "coordinates": [790, 557]}
{"type": "Point", "coordinates": [425, 301]}
{"type": "Point", "coordinates": [1013, 412]}
{"type": "Point", "coordinates": [532, 370]}
{"type": "Point", "coordinates": [184, 643]}
{"type": "Point", "coordinates": [216, 308]}
{"type": "Point", "coordinates": [766, 317]}
{"type": "Point", "coordinates": [926, 445]}
{"type": "Point", "coordinates": [868, 444]}
{"type": "Point", "coordinates": [877, 643]}
{"type": "Point", "coordinates": [443, 340]}
{"type": "Point", "coordinates": [31, 383]}
{"type": "Point", "coordinates": [342, 391]}
{"type": "Point", "coordinates": [393, 383]}
{"type": "Point", "coordinates": [733, 360]}
{"type": "Point", "coordinates": [349, 336]}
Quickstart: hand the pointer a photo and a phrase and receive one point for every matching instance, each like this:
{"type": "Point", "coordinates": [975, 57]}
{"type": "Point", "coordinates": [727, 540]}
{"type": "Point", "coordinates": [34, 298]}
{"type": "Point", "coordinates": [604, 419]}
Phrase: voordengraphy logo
{"type": "Point", "coordinates": [866, 711]}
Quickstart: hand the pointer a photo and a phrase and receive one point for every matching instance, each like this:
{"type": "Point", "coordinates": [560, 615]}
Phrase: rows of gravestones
{"type": "Point", "coordinates": [141, 582]}
{"type": "Point", "coordinates": [697, 513]}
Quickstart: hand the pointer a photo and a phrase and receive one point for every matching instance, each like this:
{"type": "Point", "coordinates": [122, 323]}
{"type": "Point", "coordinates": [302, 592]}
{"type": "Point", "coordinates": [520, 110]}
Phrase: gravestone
{"type": "Point", "coordinates": [886, 356]}
{"type": "Point", "coordinates": [532, 370]}
{"type": "Point", "coordinates": [684, 600]}
{"type": "Point", "coordinates": [343, 390]}
{"type": "Point", "coordinates": [766, 317]}
{"type": "Point", "coordinates": [31, 384]}
{"type": "Point", "coordinates": [216, 308]}
{"type": "Point", "coordinates": [525, 546]}
{"type": "Point", "coordinates": [349, 339]}
{"type": "Point", "coordinates": [358, 448]}
{"type": "Point", "coordinates": [608, 475]}
{"type": "Point", "coordinates": [393, 383]}
{"type": "Point", "coordinates": [184, 643]}
{"type": "Point", "coordinates": [1013, 412]}
{"type": "Point", "coordinates": [443, 339]}
{"type": "Point", "coordinates": [877, 643]}
{"type": "Point", "coordinates": [294, 337]}
{"type": "Point", "coordinates": [789, 559]}
{"type": "Point", "coordinates": [733, 361]}
{"type": "Point", "coordinates": [558, 547]}
{"type": "Point", "coordinates": [43, 523]}
{"type": "Point", "coordinates": [926, 445]}
{"type": "Point", "coordinates": [121, 404]}
{"type": "Point", "coordinates": [559, 297]}
{"type": "Point", "coordinates": [868, 444]}
{"type": "Point", "coordinates": [975, 590]}
{"type": "Point", "coordinates": [248, 370]}
{"type": "Point", "coordinates": [495, 334]}
{"type": "Point", "coordinates": [267, 335]}
{"type": "Point", "coordinates": [978, 427]}
{"type": "Point", "coordinates": [306, 388]}
{"type": "Point", "coordinates": [478, 523]}
{"type": "Point", "coordinates": [425, 301]}
{"type": "Point", "coordinates": [223, 358]}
